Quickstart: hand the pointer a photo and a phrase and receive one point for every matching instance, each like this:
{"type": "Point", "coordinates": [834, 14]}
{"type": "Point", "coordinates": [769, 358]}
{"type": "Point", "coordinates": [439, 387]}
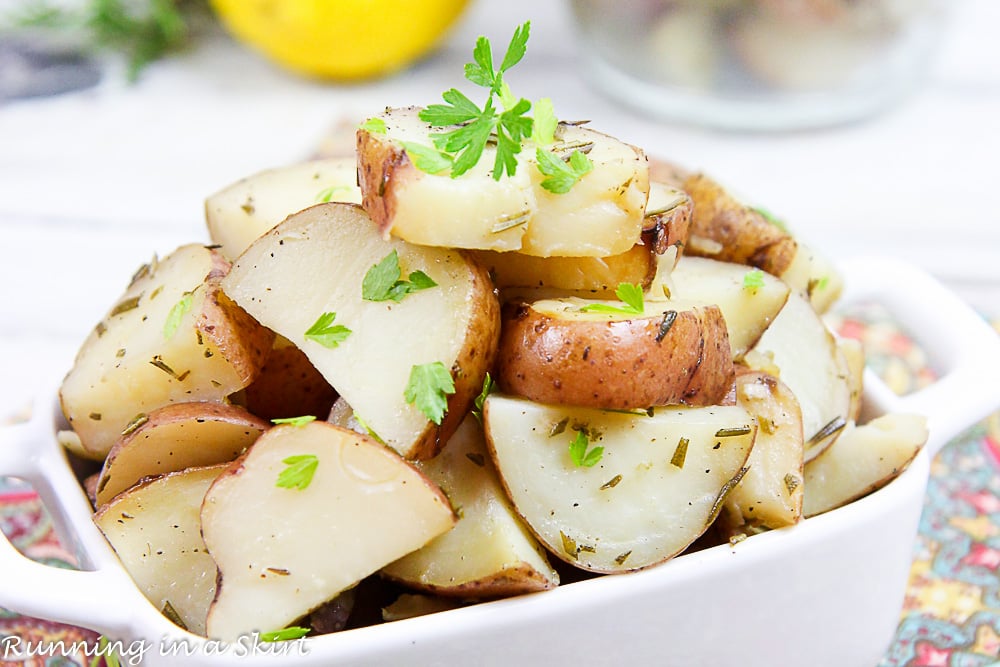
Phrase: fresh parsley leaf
{"type": "Point", "coordinates": [544, 132]}
{"type": "Point", "coordinates": [368, 429]}
{"type": "Point", "coordinates": [460, 109]}
{"type": "Point", "coordinates": [581, 455]}
{"type": "Point", "coordinates": [299, 473]}
{"type": "Point", "coordinates": [326, 194]}
{"type": "Point", "coordinates": [477, 406]}
{"type": "Point", "coordinates": [517, 48]}
{"type": "Point", "coordinates": [466, 142]}
{"type": "Point", "coordinates": [562, 175]}
{"type": "Point", "coordinates": [753, 280]}
{"type": "Point", "coordinates": [382, 282]}
{"type": "Point", "coordinates": [176, 314]}
{"type": "Point", "coordinates": [770, 217]}
{"type": "Point", "coordinates": [427, 389]}
{"type": "Point", "coordinates": [324, 332]}
{"type": "Point", "coordinates": [374, 125]}
{"type": "Point", "coordinates": [426, 158]}
{"type": "Point", "coordinates": [480, 71]}
{"type": "Point", "coordinates": [294, 421]}
{"type": "Point", "coordinates": [628, 293]}
{"type": "Point", "coordinates": [284, 634]}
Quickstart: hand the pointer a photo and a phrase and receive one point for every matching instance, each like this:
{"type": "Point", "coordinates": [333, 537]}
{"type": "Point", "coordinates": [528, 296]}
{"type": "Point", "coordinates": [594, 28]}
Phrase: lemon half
{"type": "Point", "coordinates": [340, 39]}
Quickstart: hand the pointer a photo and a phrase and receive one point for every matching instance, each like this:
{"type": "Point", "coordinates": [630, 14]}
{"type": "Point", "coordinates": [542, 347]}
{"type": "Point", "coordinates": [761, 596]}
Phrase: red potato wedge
{"type": "Point", "coordinates": [155, 528]}
{"type": "Point", "coordinates": [176, 437]}
{"type": "Point", "coordinates": [553, 352]}
{"type": "Point", "coordinates": [289, 386]}
{"type": "Point", "coordinates": [242, 212]}
{"type": "Point", "coordinates": [667, 221]}
{"type": "Point", "coordinates": [315, 262]}
{"type": "Point", "coordinates": [172, 337]}
{"type": "Point", "coordinates": [489, 553]}
{"type": "Point", "coordinates": [657, 485]}
{"type": "Point", "coordinates": [285, 548]}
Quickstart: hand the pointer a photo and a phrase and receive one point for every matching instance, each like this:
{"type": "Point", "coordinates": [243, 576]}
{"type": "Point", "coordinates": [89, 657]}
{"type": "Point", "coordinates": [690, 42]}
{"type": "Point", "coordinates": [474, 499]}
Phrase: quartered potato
{"type": "Point", "coordinates": [156, 531]}
{"type": "Point", "coordinates": [288, 385]}
{"type": "Point", "coordinates": [176, 437]}
{"type": "Point", "coordinates": [245, 210]}
{"type": "Point", "coordinates": [601, 215]}
{"type": "Point", "coordinates": [172, 337]}
{"type": "Point", "coordinates": [312, 268]}
{"type": "Point", "coordinates": [863, 459]}
{"type": "Point", "coordinates": [749, 299]}
{"type": "Point", "coordinates": [854, 355]}
{"type": "Point", "coordinates": [557, 351]}
{"type": "Point", "coordinates": [656, 483]}
{"type": "Point", "coordinates": [770, 493]}
{"type": "Point", "coordinates": [667, 221]}
{"type": "Point", "coordinates": [489, 553]}
{"type": "Point", "coordinates": [308, 512]}
{"type": "Point", "coordinates": [801, 351]}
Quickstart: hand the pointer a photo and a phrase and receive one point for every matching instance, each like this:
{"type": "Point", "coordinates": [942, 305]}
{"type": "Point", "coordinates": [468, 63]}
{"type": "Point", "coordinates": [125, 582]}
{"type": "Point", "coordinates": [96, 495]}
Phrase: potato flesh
{"type": "Point", "coordinates": [242, 212]}
{"type": "Point", "coordinates": [770, 493]}
{"type": "Point", "coordinates": [176, 437]}
{"type": "Point", "coordinates": [155, 529]}
{"type": "Point", "coordinates": [489, 552]}
{"type": "Point", "coordinates": [282, 552]}
{"type": "Point", "coordinates": [748, 311]}
{"type": "Point", "coordinates": [315, 263]}
{"type": "Point", "coordinates": [803, 353]}
{"type": "Point", "coordinates": [600, 216]}
{"type": "Point", "coordinates": [128, 366]}
{"type": "Point", "coordinates": [863, 459]}
{"type": "Point", "coordinates": [814, 276]}
{"type": "Point", "coordinates": [651, 512]}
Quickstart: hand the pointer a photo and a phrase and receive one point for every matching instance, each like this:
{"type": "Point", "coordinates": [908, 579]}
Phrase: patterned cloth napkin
{"type": "Point", "coordinates": [951, 614]}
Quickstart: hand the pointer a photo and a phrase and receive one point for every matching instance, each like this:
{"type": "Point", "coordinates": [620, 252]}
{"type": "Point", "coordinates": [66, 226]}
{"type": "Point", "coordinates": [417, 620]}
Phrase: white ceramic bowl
{"type": "Point", "coordinates": [825, 592]}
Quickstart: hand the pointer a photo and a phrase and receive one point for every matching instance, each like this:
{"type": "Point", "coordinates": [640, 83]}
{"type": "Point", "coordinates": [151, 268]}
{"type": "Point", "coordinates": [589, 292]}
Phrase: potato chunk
{"type": "Point", "coordinates": [285, 548]}
{"type": "Point", "coordinates": [315, 263]}
{"type": "Point", "coordinates": [172, 337]}
{"type": "Point", "coordinates": [657, 485]}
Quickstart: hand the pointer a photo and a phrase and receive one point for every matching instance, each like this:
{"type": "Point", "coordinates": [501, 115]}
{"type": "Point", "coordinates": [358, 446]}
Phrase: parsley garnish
{"type": "Point", "coordinates": [463, 146]}
{"type": "Point", "coordinates": [324, 332]}
{"type": "Point", "coordinates": [753, 280]}
{"type": "Point", "coordinates": [368, 429]}
{"type": "Point", "coordinates": [562, 175]}
{"type": "Point", "coordinates": [771, 218]}
{"type": "Point", "coordinates": [582, 456]}
{"type": "Point", "coordinates": [544, 132]}
{"type": "Point", "coordinates": [285, 634]}
{"type": "Point", "coordinates": [427, 389]}
{"type": "Point", "coordinates": [630, 294]}
{"type": "Point", "coordinates": [374, 125]}
{"type": "Point", "coordinates": [177, 314]}
{"type": "Point", "coordinates": [477, 406]}
{"type": "Point", "coordinates": [326, 194]}
{"type": "Point", "coordinates": [299, 473]}
{"type": "Point", "coordinates": [294, 421]}
{"type": "Point", "coordinates": [383, 283]}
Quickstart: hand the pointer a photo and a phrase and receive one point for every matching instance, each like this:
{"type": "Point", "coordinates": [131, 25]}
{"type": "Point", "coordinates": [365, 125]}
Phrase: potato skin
{"type": "Point", "coordinates": [381, 166]}
{"type": "Point", "coordinates": [745, 235]}
{"type": "Point", "coordinates": [615, 364]}
{"type": "Point", "coordinates": [289, 386]}
{"type": "Point", "coordinates": [669, 228]}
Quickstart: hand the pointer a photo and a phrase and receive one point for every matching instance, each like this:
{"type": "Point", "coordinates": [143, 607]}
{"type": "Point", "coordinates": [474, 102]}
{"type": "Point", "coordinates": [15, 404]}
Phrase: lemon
{"type": "Point", "coordinates": [340, 39]}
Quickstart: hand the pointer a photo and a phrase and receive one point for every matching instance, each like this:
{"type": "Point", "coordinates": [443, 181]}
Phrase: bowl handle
{"type": "Point", "coordinates": [76, 597]}
{"type": "Point", "coordinates": [962, 348]}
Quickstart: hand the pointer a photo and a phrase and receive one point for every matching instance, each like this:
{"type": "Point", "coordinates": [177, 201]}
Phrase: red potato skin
{"type": "Point", "coordinates": [619, 364]}
{"type": "Point", "coordinates": [670, 228]}
{"type": "Point", "coordinates": [381, 166]}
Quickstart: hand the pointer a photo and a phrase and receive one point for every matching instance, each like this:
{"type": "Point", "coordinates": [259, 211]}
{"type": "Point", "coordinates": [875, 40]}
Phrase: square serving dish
{"type": "Point", "coordinates": [827, 591]}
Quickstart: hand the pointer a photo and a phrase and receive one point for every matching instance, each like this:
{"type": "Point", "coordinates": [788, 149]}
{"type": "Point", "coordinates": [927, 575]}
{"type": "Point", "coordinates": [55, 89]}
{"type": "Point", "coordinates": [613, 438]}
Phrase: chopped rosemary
{"type": "Point", "coordinates": [558, 427]}
{"type": "Point", "coordinates": [680, 453]}
{"type": "Point", "coordinates": [136, 422]}
{"type": "Point", "coordinates": [831, 427]}
{"type": "Point", "coordinates": [611, 483]}
{"type": "Point", "coordinates": [505, 222]}
{"type": "Point", "coordinates": [569, 546]}
{"type": "Point", "coordinates": [476, 458]}
{"type": "Point", "coordinates": [727, 488]}
{"type": "Point", "coordinates": [669, 317]}
{"type": "Point", "coordinates": [792, 482]}
{"type": "Point", "coordinates": [732, 432]}
{"type": "Point", "coordinates": [621, 558]}
{"type": "Point", "coordinates": [126, 305]}
{"type": "Point", "coordinates": [173, 616]}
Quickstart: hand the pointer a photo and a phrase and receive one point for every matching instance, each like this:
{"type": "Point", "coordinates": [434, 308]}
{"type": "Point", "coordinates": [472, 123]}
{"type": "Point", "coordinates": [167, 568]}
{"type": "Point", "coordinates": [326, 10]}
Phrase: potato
{"type": "Point", "coordinates": [553, 352]}
{"type": "Point", "coordinates": [854, 355]}
{"type": "Point", "coordinates": [245, 210]}
{"type": "Point", "coordinates": [289, 386]}
{"type": "Point", "coordinates": [667, 220]}
{"type": "Point", "coordinates": [315, 263]}
{"type": "Point", "coordinates": [770, 493]}
{"type": "Point", "coordinates": [800, 350]}
{"type": "Point", "coordinates": [600, 216]}
{"type": "Point", "coordinates": [172, 337]}
{"type": "Point", "coordinates": [155, 528]}
{"type": "Point", "coordinates": [748, 310]}
{"type": "Point", "coordinates": [658, 484]}
{"type": "Point", "coordinates": [284, 546]}
{"type": "Point", "coordinates": [598, 275]}
{"type": "Point", "coordinates": [815, 277]}
{"type": "Point", "coordinates": [746, 236]}
{"type": "Point", "coordinates": [489, 553]}
{"type": "Point", "coordinates": [863, 459]}
{"type": "Point", "coordinates": [176, 437]}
